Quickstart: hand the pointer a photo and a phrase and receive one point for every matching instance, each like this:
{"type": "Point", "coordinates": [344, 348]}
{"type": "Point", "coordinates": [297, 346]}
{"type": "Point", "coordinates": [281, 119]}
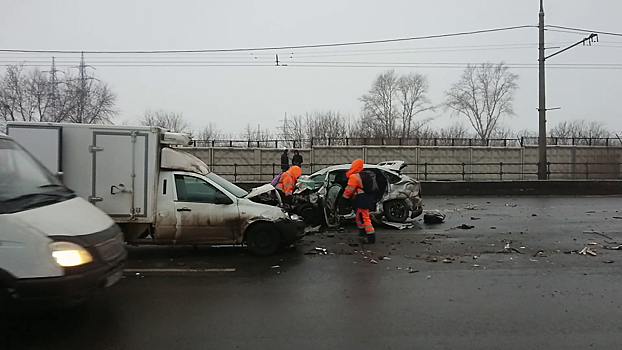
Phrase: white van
{"type": "Point", "coordinates": [55, 247]}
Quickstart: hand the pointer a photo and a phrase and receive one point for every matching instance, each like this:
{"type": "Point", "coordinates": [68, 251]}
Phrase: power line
{"type": "Point", "coordinates": [353, 43]}
{"type": "Point", "coordinates": [306, 53]}
{"type": "Point", "coordinates": [355, 65]}
{"type": "Point", "coordinates": [584, 31]}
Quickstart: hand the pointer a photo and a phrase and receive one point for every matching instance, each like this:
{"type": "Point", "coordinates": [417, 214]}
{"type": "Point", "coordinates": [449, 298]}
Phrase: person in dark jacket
{"type": "Point", "coordinates": [284, 160]}
{"type": "Point", "coordinates": [297, 158]}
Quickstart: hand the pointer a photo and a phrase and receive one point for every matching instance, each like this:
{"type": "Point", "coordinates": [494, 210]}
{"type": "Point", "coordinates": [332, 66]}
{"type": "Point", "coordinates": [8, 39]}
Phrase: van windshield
{"type": "Point", "coordinates": [24, 182]}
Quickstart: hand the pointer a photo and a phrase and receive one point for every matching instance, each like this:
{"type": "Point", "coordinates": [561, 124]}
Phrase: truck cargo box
{"type": "Point", "coordinates": [113, 167]}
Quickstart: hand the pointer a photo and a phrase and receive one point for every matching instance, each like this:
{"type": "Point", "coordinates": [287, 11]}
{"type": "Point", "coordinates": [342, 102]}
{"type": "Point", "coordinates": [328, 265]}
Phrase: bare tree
{"type": "Point", "coordinates": [379, 104]}
{"type": "Point", "coordinates": [92, 102]}
{"type": "Point", "coordinates": [209, 132]}
{"type": "Point", "coordinates": [256, 134]}
{"type": "Point", "coordinates": [412, 95]}
{"type": "Point", "coordinates": [31, 96]}
{"type": "Point", "coordinates": [580, 128]}
{"type": "Point", "coordinates": [455, 131]}
{"type": "Point", "coordinates": [173, 121]}
{"type": "Point", "coordinates": [589, 132]}
{"type": "Point", "coordinates": [483, 94]}
{"type": "Point", "coordinates": [320, 126]}
{"type": "Point", "coordinates": [295, 128]}
{"type": "Point", "coordinates": [23, 96]}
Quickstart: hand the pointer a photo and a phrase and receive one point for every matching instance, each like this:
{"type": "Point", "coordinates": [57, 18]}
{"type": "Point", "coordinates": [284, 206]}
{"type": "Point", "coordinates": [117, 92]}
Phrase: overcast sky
{"type": "Point", "coordinates": [234, 96]}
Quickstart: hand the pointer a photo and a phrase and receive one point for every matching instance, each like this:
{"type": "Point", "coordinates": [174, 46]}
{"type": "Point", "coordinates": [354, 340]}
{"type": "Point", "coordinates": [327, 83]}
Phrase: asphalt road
{"type": "Point", "coordinates": [515, 280]}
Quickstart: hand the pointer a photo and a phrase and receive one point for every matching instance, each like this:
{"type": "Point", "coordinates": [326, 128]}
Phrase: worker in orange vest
{"type": "Point", "coordinates": [362, 201]}
{"type": "Point", "coordinates": [288, 182]}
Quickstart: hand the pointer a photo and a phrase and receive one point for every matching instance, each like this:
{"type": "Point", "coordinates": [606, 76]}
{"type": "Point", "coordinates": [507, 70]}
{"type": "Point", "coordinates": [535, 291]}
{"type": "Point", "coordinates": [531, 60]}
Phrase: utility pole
{"type": "Point", "coordinates": [542, 175]}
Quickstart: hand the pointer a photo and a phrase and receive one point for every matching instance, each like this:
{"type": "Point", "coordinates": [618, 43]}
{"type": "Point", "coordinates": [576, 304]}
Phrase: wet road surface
{"type": "Point", "coordinates": [538, 293]}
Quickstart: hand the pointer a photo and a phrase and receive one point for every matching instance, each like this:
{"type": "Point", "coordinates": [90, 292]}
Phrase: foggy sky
{"type": "Point", "coordinates": [232, 97]}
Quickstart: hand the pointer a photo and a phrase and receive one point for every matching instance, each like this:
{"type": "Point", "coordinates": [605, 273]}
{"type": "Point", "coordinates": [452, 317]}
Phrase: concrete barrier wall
{"type": "Point", "coordinates": [425, 163]}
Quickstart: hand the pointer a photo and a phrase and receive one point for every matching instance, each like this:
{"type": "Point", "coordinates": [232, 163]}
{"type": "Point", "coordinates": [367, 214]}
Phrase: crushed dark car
{"type": "Point", "coordinates": [316, 196]}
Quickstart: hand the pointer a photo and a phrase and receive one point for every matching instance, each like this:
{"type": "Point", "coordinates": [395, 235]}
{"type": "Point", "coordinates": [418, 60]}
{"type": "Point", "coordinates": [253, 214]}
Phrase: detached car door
{"type": "Point", "coordinates": [205, 213]}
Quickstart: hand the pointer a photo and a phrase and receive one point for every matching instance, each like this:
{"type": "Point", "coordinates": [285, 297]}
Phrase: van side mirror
{"type": "Point", "coordinates": [59, 176]}
{"type": "Point", "coordinates": [220, 198]}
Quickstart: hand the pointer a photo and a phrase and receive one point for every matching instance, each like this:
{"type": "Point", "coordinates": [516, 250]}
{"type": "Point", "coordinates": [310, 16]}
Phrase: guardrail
{"type": "Point", "coordinates": [415, 141]}
{"type": "Point", "coordinates": [451, 171]}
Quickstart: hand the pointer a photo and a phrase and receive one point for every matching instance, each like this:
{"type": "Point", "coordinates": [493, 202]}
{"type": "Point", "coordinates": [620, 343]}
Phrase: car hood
{"type": "Point", "coordinates": [73, 217]}
{"type": "Point", "coordinates": [258, 191]}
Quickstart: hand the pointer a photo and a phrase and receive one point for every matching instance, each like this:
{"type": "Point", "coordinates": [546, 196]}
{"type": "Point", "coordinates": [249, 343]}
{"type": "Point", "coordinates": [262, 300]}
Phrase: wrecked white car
{"type": "Point", "coordinates": [316, 196]}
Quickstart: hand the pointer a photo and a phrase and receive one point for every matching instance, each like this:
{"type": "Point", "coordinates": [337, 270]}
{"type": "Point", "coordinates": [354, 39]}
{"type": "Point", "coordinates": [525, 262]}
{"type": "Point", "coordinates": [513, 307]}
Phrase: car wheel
{"type": "Point", "coordinates": [309, 213]}
{"type": "Point", "coordinates": [263, 239]}
{"type": "Point", "coordinates": [396, 210]}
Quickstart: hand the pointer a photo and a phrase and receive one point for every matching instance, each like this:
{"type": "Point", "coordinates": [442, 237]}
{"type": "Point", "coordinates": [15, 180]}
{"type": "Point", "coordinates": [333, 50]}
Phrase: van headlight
{"type": "Point", "coordinates": [69, 254]}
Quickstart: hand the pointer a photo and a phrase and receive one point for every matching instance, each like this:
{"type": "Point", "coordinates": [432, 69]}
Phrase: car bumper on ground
{"type": "Point", "coordinates": [292, 230]}
{"type": "Point", "coordinates": [68, 290]}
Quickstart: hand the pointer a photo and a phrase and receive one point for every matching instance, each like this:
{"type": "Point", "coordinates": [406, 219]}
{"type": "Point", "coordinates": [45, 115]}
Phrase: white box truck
{"type": "Point", "coordinates": [157, 193]}
{"type": "Point", "coordinates": [55, 248]}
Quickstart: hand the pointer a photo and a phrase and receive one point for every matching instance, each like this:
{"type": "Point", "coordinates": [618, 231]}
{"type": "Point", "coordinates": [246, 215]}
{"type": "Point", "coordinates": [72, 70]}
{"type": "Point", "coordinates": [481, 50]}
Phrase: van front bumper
{"type": "Point", "coordinates": [71, 289]}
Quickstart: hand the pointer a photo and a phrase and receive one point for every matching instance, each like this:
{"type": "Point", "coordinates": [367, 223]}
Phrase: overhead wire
{"type": "Point", "coordinates": [352, 43]}
{"type": "Point", "coordinates": [584, 31]}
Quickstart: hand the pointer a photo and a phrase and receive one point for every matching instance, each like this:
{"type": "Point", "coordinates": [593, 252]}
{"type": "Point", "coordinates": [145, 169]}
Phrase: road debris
{"type": "Point", "coordinates": [385, 258]}
{"type": "Point", "coordinates": [539, 253]}
{"type": "Point", "coordinates": [373, 261]}
{"type": "Point", "coordinates": [474, 218]}
{"type": "Point", "coordinates": [275, 267]}
{"type": "Point", "coordinates": [398, 225]}
{"type": "Point", "coordinates": [511, 205]}
{"type": "Point", "coordinates": [586, 250]}
{"type": "Point", "coordinates": [511, 249]}
{"type": "Point", "coordinates": [608, 261]}
{"type": "Point", "coordinates": [590, 212]}
{"type": "Point", "coordinates": [433, 217]}
{"type": "Point", "coordinates": [534, 214]}
{"type": "Point", "coordinates": [598, 233]}
{"type": "Point", "coordinates": [323, 251]}
{"type": "Point", "coordinates": [475, 265]}
{"type": "Point", "coordinates": [493, 227]}
{"type": "Point", "coordinates": [470, 207]}
{"type": "Point", "coordinates": [465, 227]}
{"type": "Point", "coordinates": [448, 261]}
{"type": "Point", "coordinates": [618, 217]}
{"type": "Point", "coordinates": [412, 271]}
{"type": "Point", "coordinates": [431, 259]}
{"type": "Point", "coordinates": [312, 229]}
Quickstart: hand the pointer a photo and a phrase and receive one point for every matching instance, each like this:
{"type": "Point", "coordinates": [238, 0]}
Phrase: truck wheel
{"type": "Point", "coordinates": [263, 239]}
{"type": "Point", "coordinates": [310, 213]}
{"type": "Point", "coordinates": [396, 211]}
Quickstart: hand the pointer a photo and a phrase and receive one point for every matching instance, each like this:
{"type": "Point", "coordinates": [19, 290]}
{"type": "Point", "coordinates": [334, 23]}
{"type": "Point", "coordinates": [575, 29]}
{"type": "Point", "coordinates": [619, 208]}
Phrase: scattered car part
{"type": "Point", "coordinates": [433, 217]}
